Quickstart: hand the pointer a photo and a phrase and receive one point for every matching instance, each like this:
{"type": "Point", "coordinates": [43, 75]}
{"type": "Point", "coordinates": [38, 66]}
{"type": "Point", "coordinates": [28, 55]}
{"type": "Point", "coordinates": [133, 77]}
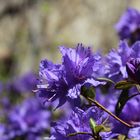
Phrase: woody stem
{"type": "Point", "coordinates": [110, 113]}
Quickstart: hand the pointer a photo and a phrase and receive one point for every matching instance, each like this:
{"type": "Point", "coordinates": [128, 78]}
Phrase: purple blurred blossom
{"type": "Point", "coordinates": [3, 132]}
{"type": "Point", "coordinates": [28, 118]}
{"type": "Point", "coordinates": [23, 84]}
{"type": "Point", "coordinates": [128, 27]}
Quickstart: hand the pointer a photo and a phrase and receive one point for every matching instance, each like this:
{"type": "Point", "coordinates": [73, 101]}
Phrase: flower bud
{"type": "Point", "coordinates": [133, 69]}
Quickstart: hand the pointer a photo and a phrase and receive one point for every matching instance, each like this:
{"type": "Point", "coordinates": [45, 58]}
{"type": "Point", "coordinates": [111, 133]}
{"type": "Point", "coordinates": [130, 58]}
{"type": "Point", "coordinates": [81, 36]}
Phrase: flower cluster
{"type": "Point", "coordinates": [79, 76]}
{"type": "Point", "coordinates": [21, 115]}
{"type": "Point", "coordinates": [27, 119]}
{"type": "Point", "coordinates": [103, 92]}
{"type": "Point", "coordinates": [88, 96]}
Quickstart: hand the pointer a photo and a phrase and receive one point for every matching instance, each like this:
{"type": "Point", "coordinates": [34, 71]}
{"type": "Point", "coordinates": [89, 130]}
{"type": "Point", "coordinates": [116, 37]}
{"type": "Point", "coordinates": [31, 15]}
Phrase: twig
{"type": "Point", "coordinates": [110, 113]}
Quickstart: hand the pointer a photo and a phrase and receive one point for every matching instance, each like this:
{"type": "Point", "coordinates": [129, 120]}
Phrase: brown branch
{"type": "Point", "coordinates": [110, 113]}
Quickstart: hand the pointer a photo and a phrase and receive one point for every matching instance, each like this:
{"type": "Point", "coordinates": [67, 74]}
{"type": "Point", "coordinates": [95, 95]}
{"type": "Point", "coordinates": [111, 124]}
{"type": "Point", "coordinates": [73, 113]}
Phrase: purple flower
{"type": "Point", "coordinates": [133, 69]}
{"type": "Point", "coordinates": [129, 114]}
{"type": "Point", "coordinates": [64, 81]}
{"type": "Point", "coordinates": [128, 26]}
{"type": "Point", "coordinates": [77, 122]}
{"type": "Point", "coordinates": [28, 118]}
{"type": "Point", "coordinates": [131, 111]}
{"type": "Point", "coordinates": [3, 134]}
{"type": "Point", "coordinates": [52, 83]}
{"type": "Point", "coordinates": [26, 83]}
{"type": "Point", "coordinates": [117, 60]}
{"type": "Point", "coordinates": [134, 133]}
{"type": "Point", "coordinates": [23, 84]}
{"type": "Point", "coordinates": [107, 98]}
{"type": "Point", "coordinates": [135, 50]}
{"type": "Point", "coordinates": [79, 63]}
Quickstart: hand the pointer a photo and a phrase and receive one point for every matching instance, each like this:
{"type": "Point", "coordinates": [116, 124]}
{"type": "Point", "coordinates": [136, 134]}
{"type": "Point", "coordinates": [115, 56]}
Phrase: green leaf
{"type": "Point", "coordinates": [92, 124]}
{"type": "Point", "coordinates": [88, 91]}
{"type": "Point", "coordinates": [124, 85]}
{"type": "Point", "coordinates": [123, 98]}
{"type": "Point", "coordinates": [101, 128]}
{"type": "Point", "coordinates": [96, 129]}
{"type": "Point", "coordinates": [121, 137]}
{"type": "Point", "coordinates": [105, 79]}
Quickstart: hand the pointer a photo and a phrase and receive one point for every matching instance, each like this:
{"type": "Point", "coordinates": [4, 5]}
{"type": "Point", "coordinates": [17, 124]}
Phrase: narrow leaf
{"type": "Point", "coordinates": [124, 85]}
{"type": "Point", "coordinates": [92, 124]}
{"type": "Point", "coordinates": [105, 79]}
{"type": "Point", "coordinates": [101, 128]}
{"type": "Point", "coordinates": [123, 98]}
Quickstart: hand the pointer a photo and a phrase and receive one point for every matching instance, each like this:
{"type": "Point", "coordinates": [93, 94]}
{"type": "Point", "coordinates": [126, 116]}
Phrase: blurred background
{"type": "Point", "coordinates": [31, 30]}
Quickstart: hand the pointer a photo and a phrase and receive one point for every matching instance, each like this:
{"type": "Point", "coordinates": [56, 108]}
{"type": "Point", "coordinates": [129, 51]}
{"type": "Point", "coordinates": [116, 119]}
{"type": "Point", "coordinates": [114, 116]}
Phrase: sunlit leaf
{"type": "Point", "coordinates": [92, 124]}
{"type": "Point", "coordinates": [106, 80]}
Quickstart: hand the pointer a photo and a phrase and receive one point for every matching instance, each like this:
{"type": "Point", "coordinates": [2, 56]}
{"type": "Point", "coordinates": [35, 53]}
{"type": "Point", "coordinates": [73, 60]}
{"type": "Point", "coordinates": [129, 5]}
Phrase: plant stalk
{"type": "Point", "coordinates": [110, 113]}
